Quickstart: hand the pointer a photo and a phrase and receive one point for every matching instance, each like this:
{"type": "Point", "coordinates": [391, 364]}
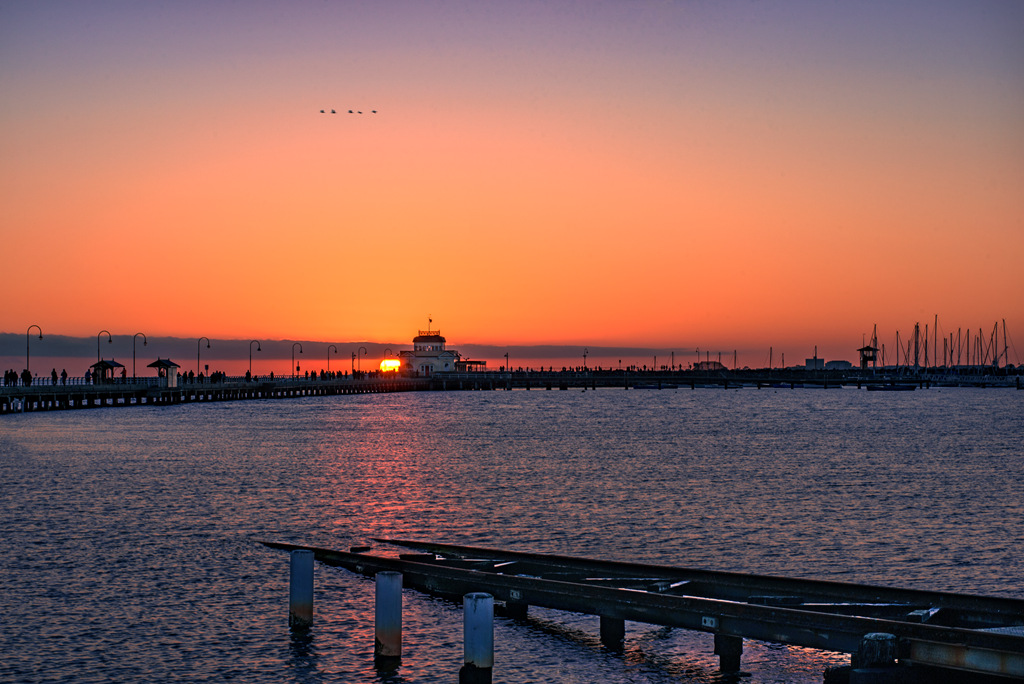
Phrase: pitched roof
{"type": "Point", "coordinates": [103, 364]}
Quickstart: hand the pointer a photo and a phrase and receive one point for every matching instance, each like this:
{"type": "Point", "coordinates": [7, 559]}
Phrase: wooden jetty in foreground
{"type": "Point", "coordinates": [935, 636]}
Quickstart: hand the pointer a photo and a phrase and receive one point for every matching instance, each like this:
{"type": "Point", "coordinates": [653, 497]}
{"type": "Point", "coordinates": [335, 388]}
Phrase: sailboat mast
{"type": "Point", "coordinates": [874, 343]}
{"type": "Point", "coordinates": [926, 347]}
{"type": "Point", "coordinates": [1006, 350]}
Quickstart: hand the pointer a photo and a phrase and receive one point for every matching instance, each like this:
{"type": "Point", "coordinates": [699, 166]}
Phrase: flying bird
{"type": "Point", "coordinates": [351, 111]}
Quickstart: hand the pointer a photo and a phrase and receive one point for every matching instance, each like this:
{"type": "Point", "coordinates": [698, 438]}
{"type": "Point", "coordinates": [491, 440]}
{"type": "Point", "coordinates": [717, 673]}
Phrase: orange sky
{"type": "Point", "coordinates": [647, 174]}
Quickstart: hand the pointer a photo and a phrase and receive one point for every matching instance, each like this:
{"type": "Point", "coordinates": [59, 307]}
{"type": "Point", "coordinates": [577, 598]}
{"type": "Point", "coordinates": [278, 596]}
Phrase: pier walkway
{"type": "Point", "coordinates": [42, 396]}
{"type": "Point", "coordinates": [688, 379]}
{"type": "Point", "coordinates": [149, 392]}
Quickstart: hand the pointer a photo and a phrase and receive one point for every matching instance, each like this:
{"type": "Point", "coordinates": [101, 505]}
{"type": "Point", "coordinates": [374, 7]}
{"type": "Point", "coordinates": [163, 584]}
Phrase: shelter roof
{"type": "Point", "coordinates": [103, 364]}
{"type": "Point", "coordinates": [163, 363]}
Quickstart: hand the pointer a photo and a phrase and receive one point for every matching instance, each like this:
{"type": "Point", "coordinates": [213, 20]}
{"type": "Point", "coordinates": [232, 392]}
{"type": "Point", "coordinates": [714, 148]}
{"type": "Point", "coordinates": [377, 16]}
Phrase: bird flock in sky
{"type": "Point", "coordinates": [351, 111]}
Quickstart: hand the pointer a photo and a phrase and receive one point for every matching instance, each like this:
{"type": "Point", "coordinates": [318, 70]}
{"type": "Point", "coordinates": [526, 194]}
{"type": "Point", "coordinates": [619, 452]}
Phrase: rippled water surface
{"type": "Point", "coordinates": [129, 549]}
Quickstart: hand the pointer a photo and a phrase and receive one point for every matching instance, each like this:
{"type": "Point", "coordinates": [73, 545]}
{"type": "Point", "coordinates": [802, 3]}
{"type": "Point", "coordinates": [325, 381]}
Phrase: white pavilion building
{"type": "Point", "coordinates": [428, 355]}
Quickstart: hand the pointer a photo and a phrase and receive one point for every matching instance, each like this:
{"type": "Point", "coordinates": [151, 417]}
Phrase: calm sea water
{"type": "Point", "coordinates": [129, 535]}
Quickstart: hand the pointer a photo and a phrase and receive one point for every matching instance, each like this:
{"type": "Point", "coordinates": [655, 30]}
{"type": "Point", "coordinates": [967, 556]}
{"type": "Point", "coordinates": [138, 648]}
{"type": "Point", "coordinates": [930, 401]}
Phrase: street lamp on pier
{"type": "Point", "coordinates": [199, 344]}
{"type": "Point", "coordinates": [329, 348]}
{"type": "Point", "coordinates": [361, 350]}
{"type": "Point", "coordinates": [110, 340]}
{"type": "Point", "coordinates": [28, 330]}
{"type": "Point", "coordinates": [585, 352]}
{"type": "Point", "coordinates": [258, 348]}
{"type": "Point", "coordinates": [145, 342]}
{"type": "Point", "coordinates": [508, 368]}
{"type": "Point", "coordinates": [294, 367]}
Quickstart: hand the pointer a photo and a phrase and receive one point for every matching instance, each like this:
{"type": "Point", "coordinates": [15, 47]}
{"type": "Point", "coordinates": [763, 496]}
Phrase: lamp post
{"type": "Point", "coordinates": [145, 342]}
{"type": "Point", "coordinates": [28, 366]}
{"type": "Point", "coordinates": [353, 363]}
{"type": "Point", "coordinates": [199, 344]}
{"type": "Point", "coordinates": [110, 340]}
{"type": "Point", "coordinates": [585, 352]}
{"type": "Point", "coordinates": [508, 368]}
{"type": "Point", "coordinates": [258, 348]}
{"type": "Point", "coordinates": [329, 348]}
{"type": "Point", "coordinates": [294, 367]}
{"type": "Point", "coordinates": [361, 350]}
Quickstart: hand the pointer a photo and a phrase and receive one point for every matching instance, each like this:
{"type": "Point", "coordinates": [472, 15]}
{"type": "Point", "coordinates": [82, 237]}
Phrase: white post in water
{"type": "Point", "coordinates": [387, 643]}
{"type": "Point", "coordinates": [300, 599]}
{"type": "Point", "coordinates": [478, 638]}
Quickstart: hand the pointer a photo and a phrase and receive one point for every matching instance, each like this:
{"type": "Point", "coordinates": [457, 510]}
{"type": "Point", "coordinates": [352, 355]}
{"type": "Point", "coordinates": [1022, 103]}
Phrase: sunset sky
{"type": "Point", "coordinates": [651, 173]}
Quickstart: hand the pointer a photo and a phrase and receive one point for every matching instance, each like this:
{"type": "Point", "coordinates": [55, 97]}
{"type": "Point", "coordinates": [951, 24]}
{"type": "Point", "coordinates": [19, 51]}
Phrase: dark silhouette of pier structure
{"type": "Point", "coordinates": [47, 396]}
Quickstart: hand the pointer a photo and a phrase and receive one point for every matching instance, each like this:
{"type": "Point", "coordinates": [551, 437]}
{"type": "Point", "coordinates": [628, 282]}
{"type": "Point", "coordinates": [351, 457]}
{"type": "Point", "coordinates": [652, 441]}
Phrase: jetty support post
{"type": "Point", "coordinates": [300, 594]}
{"type": "Point", "coordinates": [387, 643]}
{"type": "Point", "coordinates": [613, 633]}
{"type": "Point", "coordinates": [729, 650]}
{"type": "Point", "coordinates": [875, 660]}
{"type": "Point", "coordinates": [515, 608]}
{"type": "Point", "coordinates": [478, 636]}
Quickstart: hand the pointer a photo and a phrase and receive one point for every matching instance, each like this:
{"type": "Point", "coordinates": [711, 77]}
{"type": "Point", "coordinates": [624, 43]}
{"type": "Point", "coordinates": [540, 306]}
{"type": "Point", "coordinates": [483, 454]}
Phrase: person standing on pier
{"type": "Point", "coordinates": [63, 376]}
{"type": "Point", "coordinates": [53, 375]}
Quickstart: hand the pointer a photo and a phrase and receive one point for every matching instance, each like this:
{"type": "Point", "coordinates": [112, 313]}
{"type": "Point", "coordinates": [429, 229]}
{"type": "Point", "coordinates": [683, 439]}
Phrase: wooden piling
{"type": "Point", "coordinates": [875, 660]}
{"type": "Point", "coordinates": [613, 633]}
{"type": "Point", "coordinates": [387, 643]}
{"type": "Point", "coordinates": [478, 639]}
{"type": "Point", "coordinates": [729, 650]}
{"type": "Point", "coordinates": [300, 603]}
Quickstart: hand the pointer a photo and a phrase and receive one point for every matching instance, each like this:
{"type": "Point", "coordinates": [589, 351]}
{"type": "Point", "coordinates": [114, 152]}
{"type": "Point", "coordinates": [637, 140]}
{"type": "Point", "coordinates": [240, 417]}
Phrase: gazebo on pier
{"type": "Point", "coordinates": [103, 371]}
{"type": "Point", "coordinates": [168, 371]}
{"type": "Point", "coordinates": [868, 355]}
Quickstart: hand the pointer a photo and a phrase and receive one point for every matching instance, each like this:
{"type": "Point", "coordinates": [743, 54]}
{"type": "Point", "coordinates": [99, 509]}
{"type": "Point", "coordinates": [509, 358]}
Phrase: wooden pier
{"type": "Point", "coordinates": [687, 379]}
{"type": "Point", "coordinates": [934, 636]}
{"type": "Point", "coordinates": [40, 397]}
